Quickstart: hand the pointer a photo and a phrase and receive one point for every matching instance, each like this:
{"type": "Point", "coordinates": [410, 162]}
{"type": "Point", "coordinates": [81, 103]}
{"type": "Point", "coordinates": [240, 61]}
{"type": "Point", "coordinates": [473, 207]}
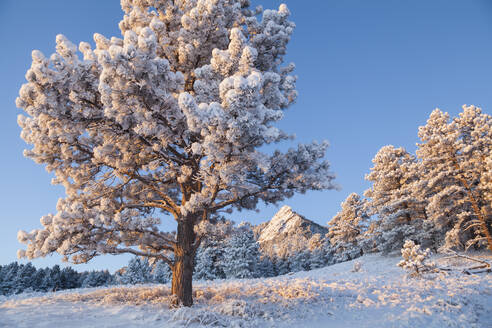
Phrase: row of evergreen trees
{"type": "Point", "coordinates": [440, 197]}
{"type": "Point", "coordinates": [232, 254]}
{"type": "Point", "coordinates": [236, 254]}
{"type": "Point", "coordinates": [17, 278]}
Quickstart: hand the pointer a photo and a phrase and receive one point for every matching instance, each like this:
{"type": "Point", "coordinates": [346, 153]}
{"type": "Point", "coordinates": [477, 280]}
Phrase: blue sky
{"type": "Point", "coordinates": [370, 73]}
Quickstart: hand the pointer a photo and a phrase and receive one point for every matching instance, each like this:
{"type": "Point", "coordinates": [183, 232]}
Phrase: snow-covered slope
{"type": "Point", "coordinates": [379, 295]}
{"type": "Point", "coordinates": [286, 232]}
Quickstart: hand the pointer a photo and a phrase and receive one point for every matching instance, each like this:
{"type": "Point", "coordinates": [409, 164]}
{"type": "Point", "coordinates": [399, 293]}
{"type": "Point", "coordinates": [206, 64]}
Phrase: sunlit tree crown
{"type": "Point", "coordinates": [168, 117]}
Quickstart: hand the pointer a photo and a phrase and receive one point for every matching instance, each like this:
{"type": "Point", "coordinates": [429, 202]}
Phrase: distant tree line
{"type": "Point", "coordinates": [231, 252]}
{"type": "Point", "coordinates": [235, 253]}
{"type": "Point", "coordinates": [17, 278]}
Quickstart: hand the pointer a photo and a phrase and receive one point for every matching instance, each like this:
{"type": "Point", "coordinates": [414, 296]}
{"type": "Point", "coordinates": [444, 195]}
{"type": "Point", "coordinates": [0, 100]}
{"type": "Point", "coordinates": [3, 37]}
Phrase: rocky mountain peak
{"type": "Point", "coordinates": [286, 232]}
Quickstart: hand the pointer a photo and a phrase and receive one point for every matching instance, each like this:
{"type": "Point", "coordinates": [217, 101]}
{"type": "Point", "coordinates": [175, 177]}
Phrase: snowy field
{"type": "Point", "coordinates": [379, 295]}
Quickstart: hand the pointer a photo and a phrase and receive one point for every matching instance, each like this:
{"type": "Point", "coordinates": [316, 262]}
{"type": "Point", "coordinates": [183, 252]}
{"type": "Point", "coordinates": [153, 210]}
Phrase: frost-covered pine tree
{"type": "Point", "coordinates": [317, 247]}
{"type": "Point", "coordinates": [168, 118]}
{"type": "Point", "coordinates": [318, 258]}
{"type": "Point", "coordinates": [241, 254]}
{"type": "Point", "coordinates": [52, 278]}
{"type": "Point", "coordinates": [300, 261]}
{"type": "Point", "coordinates": [209, 261]}
{"type": "Point", "coordinates": [70, 278]}
{"type": "Point", "coordinates": [415, 260]}
{"type": "Point", "coordinates": [138, 271]}
{"type": "Point", "coordinates": [485, 186]}
{"type": "Point", "coordinates": [265, 268]}
{"type": "Point", "coordinates": [161, 273]}
{"type": "Point", "coordinates": [400, 211]}
{"type": "Point", "coordinates": [23, 280]}
{"type": "Point", "coordinates": [454, 155]}
{"type": "Point", "coordinates": [37, 280]}
{"type": "Point", "coordinates": [281, 265]}
{"type": "Point", "coordinates": [90, 280]}
{"type": "Point", "coordinates": [346, 226]}
{"type": "Point", "coordinates": [42, 279]}
{"type": "Point", "coordinates": [103, 278]}
{"type": "Point", "coordinates": [9, 273]}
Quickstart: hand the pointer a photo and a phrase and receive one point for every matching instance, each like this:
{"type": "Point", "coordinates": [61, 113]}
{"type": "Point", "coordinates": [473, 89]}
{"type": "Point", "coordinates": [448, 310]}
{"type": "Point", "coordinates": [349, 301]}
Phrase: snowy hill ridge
{"type": "Point", "coordinates": [285, 232]}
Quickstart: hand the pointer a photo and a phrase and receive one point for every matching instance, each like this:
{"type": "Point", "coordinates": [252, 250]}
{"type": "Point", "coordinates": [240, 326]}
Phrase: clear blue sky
{"type": "Point", "coordinates": [370, 72]}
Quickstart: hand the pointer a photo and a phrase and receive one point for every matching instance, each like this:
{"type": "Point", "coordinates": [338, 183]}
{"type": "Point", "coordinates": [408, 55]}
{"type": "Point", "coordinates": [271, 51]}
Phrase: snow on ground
{"type": "Point", "coordinates": [379, 295]}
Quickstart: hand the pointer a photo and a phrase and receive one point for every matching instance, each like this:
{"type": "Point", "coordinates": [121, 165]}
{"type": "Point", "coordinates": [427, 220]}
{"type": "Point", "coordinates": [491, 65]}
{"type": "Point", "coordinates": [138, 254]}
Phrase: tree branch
{"type": "Point", "coordinates": [115, 251]}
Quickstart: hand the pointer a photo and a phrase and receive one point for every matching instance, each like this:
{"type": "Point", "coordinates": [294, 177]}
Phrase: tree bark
{"type": "Point", "coordinates": [184, 254]}
{"type": "Point", "coordinates": [482, 218]}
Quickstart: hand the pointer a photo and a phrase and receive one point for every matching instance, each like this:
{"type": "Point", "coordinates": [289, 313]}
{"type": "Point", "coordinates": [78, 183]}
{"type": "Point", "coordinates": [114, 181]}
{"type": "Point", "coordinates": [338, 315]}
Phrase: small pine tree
{"type": "Point", "coordinates": [241, 254]}
{"type": "Point", "coordinates": [281, 266]}
{"type": "Point", "coordinates": [265, 268]}
{"type": "Point", "coordinates": [53, 279]}
{"type": "Point", "coordinates": [23, 279]}
{"type": "Point", "coordinates": [69, 278]}
{"type": "Point", "coordinates": [97, 279]}
{"type": "Point", "coordinates": [207, 261]}
{"type": "Point", "coordinates": [7, 286]}
{"type": "Point", "coordinates": [44, 281]}
{"type": "Point", "coordinates": [300, 261]}
{"type": "Point", "coordinates": [161, 273]}
{"type": "Point", "coordinates": [138, 271]}
{"type": "Point", "coordinates": [415, 260]}
{"type": "Point", "coordinates": [318, 258]}
{"type": "Point", "coordinates": [347, 227]}
{"type": "Point", "coordinates": [37, 280]}
{"type": "Point", "coordinates": [89, 280]}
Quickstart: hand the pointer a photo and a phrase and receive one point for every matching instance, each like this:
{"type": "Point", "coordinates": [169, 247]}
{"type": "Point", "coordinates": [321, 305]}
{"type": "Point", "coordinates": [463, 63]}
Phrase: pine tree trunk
{"type": "Point", "coordinates": [482, 218]}
{"type": "Point", "coordinates": [183, 263]}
